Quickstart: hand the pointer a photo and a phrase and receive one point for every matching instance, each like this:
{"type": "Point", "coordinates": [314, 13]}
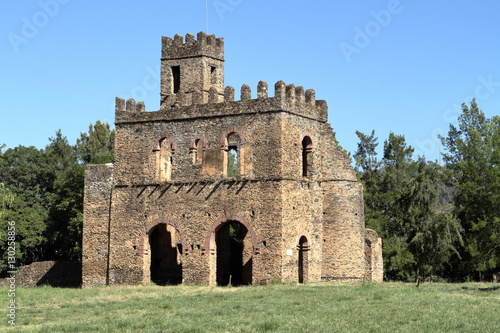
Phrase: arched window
{"type": "Point", "coordinates": [307, 149]}
{"type": "Point", "coordinates": [164, 159]}
{"type": "Point", "coordinates": [197, 148]}
{"type": "Point", "coordinates": [198, 151]}
{"type": "Point", "coordinates": [198, 158]}
{"type": "Point", "coordinates": [233, 155]}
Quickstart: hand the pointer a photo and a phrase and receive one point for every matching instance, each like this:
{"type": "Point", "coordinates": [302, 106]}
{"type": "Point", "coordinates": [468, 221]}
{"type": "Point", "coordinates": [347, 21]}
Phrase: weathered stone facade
{"type": "Point", "coordinates": [209, 190]}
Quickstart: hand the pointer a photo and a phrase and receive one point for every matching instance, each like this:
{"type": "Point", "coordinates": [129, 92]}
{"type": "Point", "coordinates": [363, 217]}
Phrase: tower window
{"type": "Point", "coordinates": [233, 145]}
{"type": "Point", "coordinates": [176, 77]}
{"type": "Point", "coordinates": [307, 149]}
{"type": "Point", "coordinates": [232, 162]}
{"type": "Point", "coordinates": [213, 72]}
{"type": "Point", "coordinates": [198, 152]}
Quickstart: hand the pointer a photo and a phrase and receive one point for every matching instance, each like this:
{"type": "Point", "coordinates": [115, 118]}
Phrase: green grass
{"type": "Point", "coordinates": [315, 307]}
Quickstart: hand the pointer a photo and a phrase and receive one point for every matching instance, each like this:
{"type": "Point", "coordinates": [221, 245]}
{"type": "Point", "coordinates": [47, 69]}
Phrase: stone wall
{"type": "Point", "coordinates": [50, 273]}
{"type": "Point", "coordinates": [96, 218]}
{"type": "Point", "coordinates": [374, 265]}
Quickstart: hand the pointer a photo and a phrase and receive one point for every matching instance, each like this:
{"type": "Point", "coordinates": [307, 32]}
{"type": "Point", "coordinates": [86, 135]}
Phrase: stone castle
{"type": "Point", "coordinates": [216, 191]}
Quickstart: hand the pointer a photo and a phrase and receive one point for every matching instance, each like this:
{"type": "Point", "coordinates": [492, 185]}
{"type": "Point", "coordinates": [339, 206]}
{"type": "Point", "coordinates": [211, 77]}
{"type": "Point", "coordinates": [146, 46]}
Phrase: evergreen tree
{"type": "Point", "coordinates": [65, 208]}
{"type": "Point", "coordinates": [402, 203]}
{"type": "Point", "coordinates": [474, 157]}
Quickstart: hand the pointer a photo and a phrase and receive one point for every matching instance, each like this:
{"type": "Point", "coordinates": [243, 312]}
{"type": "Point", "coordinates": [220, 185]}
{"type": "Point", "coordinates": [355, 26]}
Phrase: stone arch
{"type": "Point", "coordinates": [238, 131]}
{"type": "Point", "coordinates": [199, 144]}
{"type": "Point", "coordinates": [208, 246]}
{"type": "Point", "coordinates": [162, 247]}
{"type": "Point", "coordinates": [158, 140]}
{"type": "Point", "coordinates": [300, 235]}
{"type": "Point", "coordinates": [312, 146]}
{"type": "Point", "coordinates": [153, 224]}
{"type": "Point", "coordinates": [232, 245]}
{"type": "Point", "coordinates": [196, 138]}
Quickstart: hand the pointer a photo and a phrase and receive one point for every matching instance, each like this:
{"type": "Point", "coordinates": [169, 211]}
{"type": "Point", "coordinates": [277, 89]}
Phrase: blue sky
{"type": "Point", "coordinates": [402, 66]}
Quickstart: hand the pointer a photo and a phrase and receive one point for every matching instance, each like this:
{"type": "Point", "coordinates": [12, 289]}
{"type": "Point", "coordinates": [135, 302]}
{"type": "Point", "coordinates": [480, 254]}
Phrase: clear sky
{"type": "Point", "coordinates": [402, 66]}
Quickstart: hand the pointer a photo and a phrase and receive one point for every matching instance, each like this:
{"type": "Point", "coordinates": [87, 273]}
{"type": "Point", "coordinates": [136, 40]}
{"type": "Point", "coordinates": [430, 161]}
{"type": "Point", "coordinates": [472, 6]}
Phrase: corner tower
{"type": "Point", "coordinates": [190, 68]}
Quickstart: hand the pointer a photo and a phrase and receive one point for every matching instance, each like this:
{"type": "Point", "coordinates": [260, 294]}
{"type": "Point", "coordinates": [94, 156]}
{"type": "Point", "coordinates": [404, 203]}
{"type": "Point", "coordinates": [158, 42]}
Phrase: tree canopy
{"type": "Point", "coordinates": [436, 220]}
{"type": "Point", "coordinates": [41, 191]}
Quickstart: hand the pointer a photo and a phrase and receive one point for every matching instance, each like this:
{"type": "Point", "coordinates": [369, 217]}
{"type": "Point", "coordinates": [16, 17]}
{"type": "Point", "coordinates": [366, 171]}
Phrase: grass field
{"type": "Point", "coordinates": [315, 307]}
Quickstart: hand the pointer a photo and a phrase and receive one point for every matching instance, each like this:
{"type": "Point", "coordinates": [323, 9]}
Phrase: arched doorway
{"type": "Point", "coordinates": [233, 254]}
{"type": "Point", "coordinates": [166, 250]}
{"type": "Point", "coordinates": [303, 249]}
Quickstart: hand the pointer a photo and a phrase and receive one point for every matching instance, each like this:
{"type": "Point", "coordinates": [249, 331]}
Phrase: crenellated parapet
{"type": "Point", "coordinates": [203, 45]}
{"type": "Point", "coordinates": [129, 105]}
{"type": "Point", "coordinates": [288, 98]}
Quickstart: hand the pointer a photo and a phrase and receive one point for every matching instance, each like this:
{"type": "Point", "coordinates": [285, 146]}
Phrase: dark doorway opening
{"type": "Point", "coordinates": [234, 254]}
{"type": "Point", "coordinates": [303, 262]}
{"type": "Point", "coordinates": [166, 250]}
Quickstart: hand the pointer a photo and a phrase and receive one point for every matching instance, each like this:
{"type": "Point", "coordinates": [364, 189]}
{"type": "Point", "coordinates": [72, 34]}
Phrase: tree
{"type": "Point", "coordinates": [433, 235]}
{"type": "Point", "coordinates": [24, 171]}
{"type": "Point", "coordinates": [23, 195]}
{"type": "Point", "coordinates": [365, 156]}
{"type": "Point", "coordinates": [474, 157]}
{"type": "Point", "coordinates": [96, 146]}
{"type": "Point", "coordinates": [403, 204]}
{"type": "Point", "coordinates": [6, 199]}
{"type": "Point", "coordinates": [41, 191]}
{"type": "Point", "coordinates": [64, 223]}
{"type": "Point", "coordinates": [367, 167]}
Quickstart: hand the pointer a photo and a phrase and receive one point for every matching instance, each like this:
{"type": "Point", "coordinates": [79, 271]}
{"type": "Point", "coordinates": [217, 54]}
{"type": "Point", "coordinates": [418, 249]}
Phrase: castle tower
{"type": "Point", "coordinates": [191, 67]}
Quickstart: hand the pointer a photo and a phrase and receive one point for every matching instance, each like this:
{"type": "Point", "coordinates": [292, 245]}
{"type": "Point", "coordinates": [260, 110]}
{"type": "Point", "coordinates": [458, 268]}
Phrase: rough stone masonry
{"type": "Point", "coordinates": [216, 191]}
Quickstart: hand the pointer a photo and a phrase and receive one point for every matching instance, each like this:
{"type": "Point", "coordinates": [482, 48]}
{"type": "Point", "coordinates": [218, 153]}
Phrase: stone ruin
{"type": "Point", "coordinates": [216, 191]}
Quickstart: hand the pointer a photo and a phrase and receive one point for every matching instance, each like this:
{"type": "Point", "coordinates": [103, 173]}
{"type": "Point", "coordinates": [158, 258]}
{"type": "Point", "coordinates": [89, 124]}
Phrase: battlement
{"type": "Point", "coordinates": [204, 45]}
{"type": "Point", "coordinates": [287, 98]}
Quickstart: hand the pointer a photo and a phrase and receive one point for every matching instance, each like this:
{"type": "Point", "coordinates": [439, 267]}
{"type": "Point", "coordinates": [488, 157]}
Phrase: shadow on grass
{"type": "Point", "coordinates": [482, 289]}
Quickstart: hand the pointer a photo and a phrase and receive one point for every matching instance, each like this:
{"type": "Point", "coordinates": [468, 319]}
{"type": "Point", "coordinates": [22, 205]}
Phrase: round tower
{"type": "Point", "coordinates": [190, 67]}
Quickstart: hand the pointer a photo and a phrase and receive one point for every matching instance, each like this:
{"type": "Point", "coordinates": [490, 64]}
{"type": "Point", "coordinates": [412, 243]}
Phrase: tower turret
{"type": "Point", "coordinates": [191, 67]}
